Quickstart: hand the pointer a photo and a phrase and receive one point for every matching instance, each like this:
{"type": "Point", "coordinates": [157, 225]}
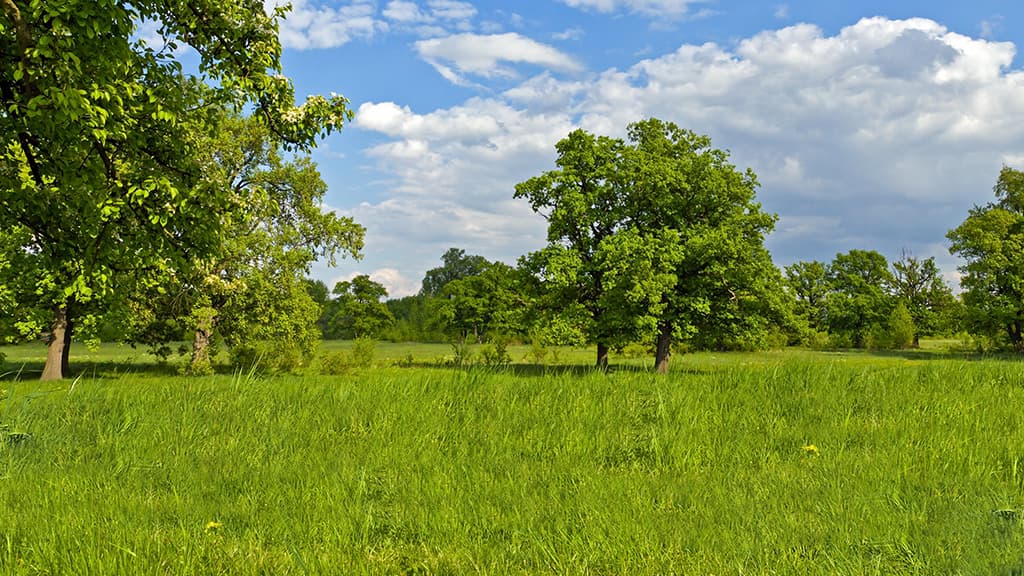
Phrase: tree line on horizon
{"type": "Point", "coordinates": [147, 205]}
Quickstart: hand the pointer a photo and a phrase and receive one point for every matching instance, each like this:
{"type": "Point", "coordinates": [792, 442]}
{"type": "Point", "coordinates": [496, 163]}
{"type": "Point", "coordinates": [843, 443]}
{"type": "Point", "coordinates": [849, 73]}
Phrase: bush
{"type": "Point", "coordinates": [462, 354]}
{"type": "Point", "coordinates": [537, 352]}
{"type": "Point", "coordinates": [636, 350]}
{"type": "Point", "coordinates": [901, 327]}
{"type": "Point", "coordinates": [776, 339]}
{"type": "Point", "coordinates": [495, 353]}
{"type": "Point", "coordinates": [817, 340]}
{"type": "Point", "coordinates": [333, 364]}
{"type": "Point", "coordinates": [269, 356]}
{"type": "Point", "coordinates": [363, 350]}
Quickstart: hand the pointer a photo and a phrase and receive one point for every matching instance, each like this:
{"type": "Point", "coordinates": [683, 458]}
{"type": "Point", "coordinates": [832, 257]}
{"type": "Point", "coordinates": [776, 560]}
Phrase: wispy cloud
{"type": "Point", "coordinates": [489, 56]}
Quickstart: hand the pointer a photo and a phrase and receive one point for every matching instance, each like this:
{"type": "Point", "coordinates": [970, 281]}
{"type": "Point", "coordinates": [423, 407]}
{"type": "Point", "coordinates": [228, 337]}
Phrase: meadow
{"type": "Point", "coordinates": [790, 462]}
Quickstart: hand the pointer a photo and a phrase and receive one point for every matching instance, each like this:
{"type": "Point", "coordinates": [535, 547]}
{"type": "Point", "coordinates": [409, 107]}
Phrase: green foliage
{"type": "Point", "coordinates": [363, 351]}
{"type": "Point", "coordinates": [538, 352]}
{"type": "Point", "coordinates": [358, 311]}
{"type": "Point", "coordinates": [901, 327]}
{"type": "Point", "coordinates": [919, 285]}
{"type": "Point", "coordinates": [457, 266]}
{"type": "Point", "coordinates": [270, 356]}
{"type": "Point", "coordinates": [494, 353]}
{"type": "Point", "coordinates": [636, 350]}
{"type": "Point", "coordinates": [859, 297]}
{"type": "Point", "coordinates": [483, 304]}
{"type": "Point", "coordinates": [808, 283]}
{"type": "Point", "coordinates": [991, 242]}
{"type": "Point", "coordinates": [334, 363]}
{"type": "Point", "coordinates": [462, 353]}
{"type": "Point", "coordinates": [655, 237]}
{"type": "Point", "coordinates": [105, 139]}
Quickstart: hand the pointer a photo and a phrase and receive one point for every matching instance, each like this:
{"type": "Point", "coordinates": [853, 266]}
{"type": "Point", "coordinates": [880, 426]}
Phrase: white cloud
{"type": "Point", "coordinates": [569, 34]}
{"type": "Point", "coordinates": [486, 55]}
{"type": "Point", "coordinates": [782, 11]}
{"type": "Point", "coordinates": [881, 136]}
{"type": "Point", "coordinates": [657, 8]}
{"type": "Point", "coordinates": [393, 281]}
{"type": "Point", "coordinates": [434, 18]}
{"type": "Point", "coordinates": [312, 25]}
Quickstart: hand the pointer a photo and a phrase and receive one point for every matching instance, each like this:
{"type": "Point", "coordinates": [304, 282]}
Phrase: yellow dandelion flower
{"type": "Point", "coordinates": [213, 525]}
{"type": "Point", "coordinates": [811, 450]}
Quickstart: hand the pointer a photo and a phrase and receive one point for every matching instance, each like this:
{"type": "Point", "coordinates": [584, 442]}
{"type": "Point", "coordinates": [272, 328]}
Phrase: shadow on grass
{"type": "Point", "coordinates": [939, 355]}
{"type": "Point", "coordinates": [94, 369]}
{"type": "Point", "coordinates": [544, 370]}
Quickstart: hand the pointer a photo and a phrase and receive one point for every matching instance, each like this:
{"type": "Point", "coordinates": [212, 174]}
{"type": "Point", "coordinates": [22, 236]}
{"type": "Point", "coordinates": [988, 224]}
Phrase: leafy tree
{"type": "Point", "coordinates": [659, 236]}
{"type": "Point", "coordinates": [488, 302]}
{"type": "Point", "coordinates": [253, 288]}
{"type": "Point", "coordinates": [711, 275]}
{"type": "Point", "coordinates": [581, 201]}
{"type": "Point", "coordinates": [991, 242]}
{"type": "Point", "coordinates": [416, 319]}
{"type": "Point", "coordinates": [808, 283]}
{"type": "Point", "coordinates": [100, 170]}
{"type": "Point", "coordinates": [902, 331]}
{"type": "Point", "coordinates": [919, 285]}
{"type": "Point", "coordinates": [457, 265]}
{"type": "Point", "coordinates": [360, 312]}
{"type": "Point", "coordinates": [859, 299]}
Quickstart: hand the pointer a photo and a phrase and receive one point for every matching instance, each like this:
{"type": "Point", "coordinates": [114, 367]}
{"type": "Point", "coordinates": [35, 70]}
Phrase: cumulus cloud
{"type": "Point", "coordinates": [881, 136]}
{"type": "Point", "coordinates": [391, 279]}
{"type": "Point", "coordinates": [312, 25]}
{"type": "Point", "coordinates": [488, 55]}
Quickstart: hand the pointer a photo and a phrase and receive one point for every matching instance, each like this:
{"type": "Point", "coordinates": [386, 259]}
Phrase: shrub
{"type": "Point", "coordinates": [495, 353]}
{"type": "Point", "coordinates": [878, 338]}
{"type": "Point", "coordinates": [333, 364]}
{"type": "Point", "coordinates": [817, 340]}
{"type": "Point", "coordinates": [537, 352]}
{"type": "Point", "coordinates": [776, 339]}
{"type": "Point", "coordinates": [635, 350]}
{"type": "Point", "coordinates": [363, 350]}
{"type": "Point", "coordinates": [462, 354]}
{"type": "Point", "coordinates": [901, 327]}
{"type": "Point", "coordinates": [269, 356]}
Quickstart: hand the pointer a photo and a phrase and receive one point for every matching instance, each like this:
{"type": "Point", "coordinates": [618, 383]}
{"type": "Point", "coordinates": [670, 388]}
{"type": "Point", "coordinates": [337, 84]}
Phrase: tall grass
{"type": "Point", "coordinates": [765, 464]}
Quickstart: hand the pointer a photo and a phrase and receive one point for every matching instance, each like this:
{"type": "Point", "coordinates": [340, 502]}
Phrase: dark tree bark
{"type": "Point", "coordinates": [65, 353]}
{"type": "Point", "coordinates": [664, 348]}
{"type": "Point", "coordinates": [602, 356]}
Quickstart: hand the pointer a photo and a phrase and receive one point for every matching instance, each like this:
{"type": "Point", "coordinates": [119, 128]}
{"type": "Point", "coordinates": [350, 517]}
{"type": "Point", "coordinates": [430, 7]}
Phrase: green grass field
{"type": "Point", "coordinates": [769, 463]}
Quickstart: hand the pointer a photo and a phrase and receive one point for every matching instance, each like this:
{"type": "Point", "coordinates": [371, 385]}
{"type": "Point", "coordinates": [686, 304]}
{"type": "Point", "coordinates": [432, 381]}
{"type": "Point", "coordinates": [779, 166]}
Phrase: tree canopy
{"type": "Point", "coordinates": [658, 238]}
{"type": "Point", "coordinates": [991, 242]}
{"type": "Point", "coordinates": [100, 172]}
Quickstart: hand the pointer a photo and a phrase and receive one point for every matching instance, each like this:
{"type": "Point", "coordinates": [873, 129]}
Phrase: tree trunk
{"type": "Point", "coordinates": [602, 356]}
{"type": "Point", "coordinates": [65, 353]}
{"type": "Point", "coordinates": [200, 363]}
{"type": "Point", "coordinates": [59, 341]}
{"type": "Point", "coordinates": [664, 349]}
{"type": "Point", "coordinates": [917, 341]}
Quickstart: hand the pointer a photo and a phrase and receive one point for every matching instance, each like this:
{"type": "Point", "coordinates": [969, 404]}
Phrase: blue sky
{"type": "Point", "coordinates": [871, 125]}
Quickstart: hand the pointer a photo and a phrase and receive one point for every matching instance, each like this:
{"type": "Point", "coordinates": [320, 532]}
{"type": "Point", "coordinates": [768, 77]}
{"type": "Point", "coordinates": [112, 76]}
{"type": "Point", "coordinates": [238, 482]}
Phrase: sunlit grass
{"type": "Point", "coordinates": [917, 468]}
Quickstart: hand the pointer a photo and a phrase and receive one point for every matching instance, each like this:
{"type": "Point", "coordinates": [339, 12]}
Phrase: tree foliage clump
{"type": "Point", "coordinates": [991, 243]}
{"type": "Point", "coordinates": [101, 170]}
{"type": "Point", "coordinates": [358, 310]}
{"type": "Point", "coordinates": [658, 237]}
